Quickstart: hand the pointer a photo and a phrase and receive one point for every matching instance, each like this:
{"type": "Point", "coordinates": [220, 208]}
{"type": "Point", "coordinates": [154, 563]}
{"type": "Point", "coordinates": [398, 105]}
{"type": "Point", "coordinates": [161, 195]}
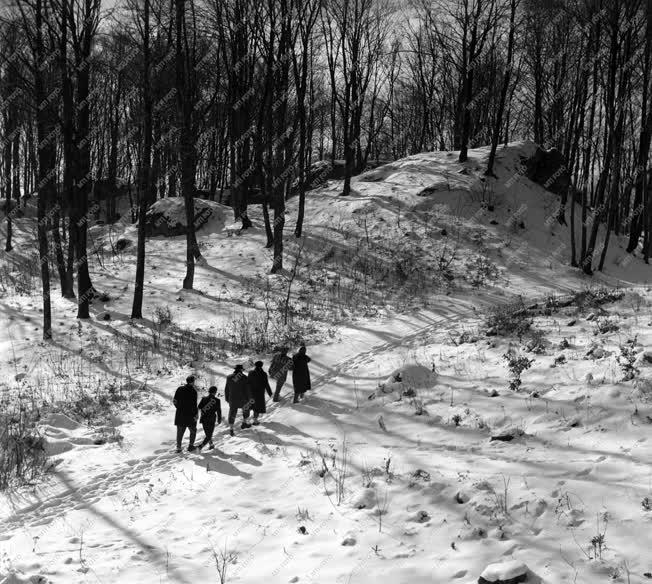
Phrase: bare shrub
{"type": "Point", "coordinates": [516, 364]}
{"type": "Point", "coordinates": [22, 452]}
{"type": "Point", "coordinates": [508, 320]}
{"type": "Point", "coordinates": [481, 271]}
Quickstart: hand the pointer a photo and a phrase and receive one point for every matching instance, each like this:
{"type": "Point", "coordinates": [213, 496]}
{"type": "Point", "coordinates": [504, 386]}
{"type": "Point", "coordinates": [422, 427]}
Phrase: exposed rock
{"type": "Point", "coordinates": [123, 243]}
{"type": "Point", "coordinates": [509, 572]}
{"type": "Point", "coordinates": [461, 498]}
{"type": "Point", "coordinates": [421, 516]}
{"type": "Point", "coordinates": [421, 474]}
{"type": "Point", "coordinates": [502, 438]}
{"type": "Point", "coordinates": [548, 169]}
{"type": "Point", "coordinates": [646, 357]}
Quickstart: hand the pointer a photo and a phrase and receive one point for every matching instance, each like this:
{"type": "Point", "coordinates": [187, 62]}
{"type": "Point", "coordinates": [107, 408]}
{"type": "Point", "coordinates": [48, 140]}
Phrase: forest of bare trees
{"type": "Point", "coordinates": [234, 100]}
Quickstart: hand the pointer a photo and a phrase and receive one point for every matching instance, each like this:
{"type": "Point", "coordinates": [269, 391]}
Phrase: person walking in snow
{"type": "Point", "coordinates": [300, 373]}
{"type": "Point", "coordinates": [259, 384]}
{"type": "Point", "coordinates": [185, 401]}
{"type": "Point", "coordinates": [238, 395]}
{"type": "Point", "coordinates": [211, 411]}
{"type": "Point", "coordinates": [278, 369]}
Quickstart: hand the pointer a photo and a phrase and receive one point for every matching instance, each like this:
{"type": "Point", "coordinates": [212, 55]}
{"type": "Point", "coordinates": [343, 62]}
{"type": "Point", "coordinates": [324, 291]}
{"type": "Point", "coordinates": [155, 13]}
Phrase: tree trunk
{"type": "Point", "coordinates": [7, 181]}
{"type": "Point", "coordinates": [503, 91]}
{"type": "Point", "coordinates": [638, 219]}
{"type": "Point", "coordinates": [46, 165]}
{"type": "Point", "coordinates": [145, 174]}
{"type": "Point", "coordinates": [85, 290]}
{"type": "Point", "coordinates": [186, 142]}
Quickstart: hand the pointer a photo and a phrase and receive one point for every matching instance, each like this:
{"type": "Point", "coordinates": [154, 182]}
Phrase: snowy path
{"type": "Point", "coordinates": [140, 471]}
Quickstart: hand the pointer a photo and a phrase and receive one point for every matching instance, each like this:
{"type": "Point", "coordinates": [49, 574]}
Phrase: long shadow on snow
{"type": "Point", "coordinates": [155, 554]}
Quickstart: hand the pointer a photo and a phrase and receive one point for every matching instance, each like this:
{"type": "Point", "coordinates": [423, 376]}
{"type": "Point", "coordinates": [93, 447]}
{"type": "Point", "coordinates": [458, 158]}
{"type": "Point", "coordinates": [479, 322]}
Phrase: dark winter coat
{"type": "Point", "coordinates": [280, 365]}
{"type": "Point", "coordinates": [301, 373]}
{"type": "Point", "coordinates": [210, 408]}
{"type": "Point", "coordinates": [237, 391]}
{"type": "Point", "coordinates": [185, 400]}
{"type": "Point", "coordinates": [259, 384]}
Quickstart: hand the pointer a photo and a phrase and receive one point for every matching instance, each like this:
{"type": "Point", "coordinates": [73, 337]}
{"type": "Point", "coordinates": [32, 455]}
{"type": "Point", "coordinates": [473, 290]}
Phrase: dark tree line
{"type": "Point", "coordinates": [233, 100]}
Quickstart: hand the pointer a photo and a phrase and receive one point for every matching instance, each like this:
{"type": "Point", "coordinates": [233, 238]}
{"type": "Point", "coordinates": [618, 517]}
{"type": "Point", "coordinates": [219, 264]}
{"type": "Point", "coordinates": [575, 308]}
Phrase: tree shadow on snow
{"type": "Point", "coordinates": [279, 428]}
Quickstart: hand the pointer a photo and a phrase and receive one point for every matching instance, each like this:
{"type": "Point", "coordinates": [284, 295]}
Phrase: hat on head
{"type": "Point", "coordinates": [190, 379]}
{"type": "Point", "coordinates": [212, 389]}
{"type": "Point", "coordinates": [258, 364]}
{"type": "Point", "coordinates": [239, 367]}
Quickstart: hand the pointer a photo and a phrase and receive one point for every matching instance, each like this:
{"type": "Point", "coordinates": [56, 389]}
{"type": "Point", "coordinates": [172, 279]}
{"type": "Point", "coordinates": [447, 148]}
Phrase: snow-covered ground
{"type": "Point", "coordinates": [371, 477]}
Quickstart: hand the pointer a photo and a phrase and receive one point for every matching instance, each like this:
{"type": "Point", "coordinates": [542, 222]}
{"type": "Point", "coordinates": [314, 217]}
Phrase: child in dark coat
{"type": "Point", "coordinates": [259, 384]}
{"type": "Point", "coordinates": [211, 411]}
{"type": "Point", "coordinates": [278, 369]}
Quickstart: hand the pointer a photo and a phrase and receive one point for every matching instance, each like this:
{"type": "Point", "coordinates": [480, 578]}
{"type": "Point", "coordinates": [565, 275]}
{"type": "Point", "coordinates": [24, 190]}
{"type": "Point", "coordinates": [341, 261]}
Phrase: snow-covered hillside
{"type": "Point", "coordinates": [411, 460]}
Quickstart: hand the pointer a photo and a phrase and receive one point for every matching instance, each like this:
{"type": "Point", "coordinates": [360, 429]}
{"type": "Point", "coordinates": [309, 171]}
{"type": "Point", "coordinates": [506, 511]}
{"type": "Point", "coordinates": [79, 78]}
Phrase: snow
{"type": "Point", "coordinates": [427, 497]}
{"type": "Point", "coordinates": [504, 571]}
{"type": "Point", "coordinates": [409, 377]}
{"type": "Point", "coordinates": [174, 211]}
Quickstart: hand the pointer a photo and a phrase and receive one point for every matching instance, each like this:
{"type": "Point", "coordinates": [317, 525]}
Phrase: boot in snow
{"type": "Point", "coordinates": [231, 431]}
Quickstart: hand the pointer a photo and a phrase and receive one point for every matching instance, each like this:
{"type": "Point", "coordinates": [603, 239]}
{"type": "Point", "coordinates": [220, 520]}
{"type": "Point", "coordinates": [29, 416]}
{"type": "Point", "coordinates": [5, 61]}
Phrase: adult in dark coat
{"type": "Point", "coordinates": [259, 384]}
{"type": "Point", "coordinates": [278, 369]}
{"type": "Point", "coordinates": [300, 373]}
{"type": "Point", "coordinates": [185, 400]}
{"type": "Point", "coordinates": [211, 411]}
{"type": "Point", "coordinates": [238, 394]}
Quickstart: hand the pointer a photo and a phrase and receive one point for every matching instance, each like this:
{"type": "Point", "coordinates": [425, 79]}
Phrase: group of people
{"type": "Point", "coordinates": [243, 391]}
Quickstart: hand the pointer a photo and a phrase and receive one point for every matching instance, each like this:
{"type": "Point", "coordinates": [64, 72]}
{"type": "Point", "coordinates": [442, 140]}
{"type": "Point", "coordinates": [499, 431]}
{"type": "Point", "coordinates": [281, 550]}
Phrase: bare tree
{"type": "Point", "coordinates": [145, 186]}
{"type": "Point", "coordinates": [507, 76]}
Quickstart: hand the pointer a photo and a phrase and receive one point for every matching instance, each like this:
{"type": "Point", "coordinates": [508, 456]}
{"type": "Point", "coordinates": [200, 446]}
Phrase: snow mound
{"type": "Point", "coordinates": [16, 579]}
{"type": "Point", "coordinates": [167, 217]}
{"type": "Point", "coordinates": [60, 421]}
{"type": "Point", "coordinates": [412, 376]}
{"type": "Point", "coordinates": [510, 572]}
{"type": "Point", "coordinates": [61, 434]}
